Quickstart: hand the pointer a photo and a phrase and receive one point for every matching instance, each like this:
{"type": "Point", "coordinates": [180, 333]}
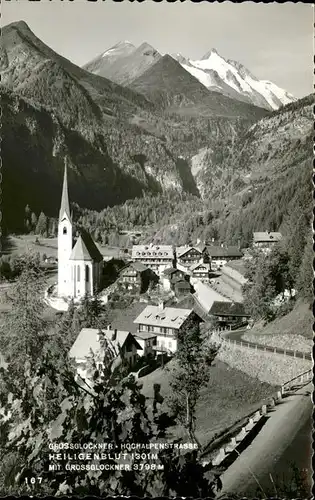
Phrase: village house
{"type": "Point", "coordinates": [229, 314]}
{"type": "Point", "coordinates": [187, 255]}
{"type": "Point", "coordinates": [171, 276]}
{"type": "Point", "coordinates": [166, 323]}
{"type": "Point", "coordinates": [181, 287]}
{"type": "Point", "coordinates": [147, 341]}
{"type": "Point", "coordinates": [220, 255]}
{"type": "Point", "coordinates": [200, 271]}
{"type": "Point", "coordinates": [88, 343]}
{"type": "Point", "coordinates": [155, 257]}
{"type": "Point", "coordinates": [136, 278]}
{"type": "Point", "coordinates": [265, 240]}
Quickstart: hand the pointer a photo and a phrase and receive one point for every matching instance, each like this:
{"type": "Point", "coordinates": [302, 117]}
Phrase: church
{"type": "Point", "coordinates": [80, 262]}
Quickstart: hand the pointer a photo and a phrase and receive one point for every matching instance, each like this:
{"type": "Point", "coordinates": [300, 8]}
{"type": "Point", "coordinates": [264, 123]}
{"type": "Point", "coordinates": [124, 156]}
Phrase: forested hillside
{"type": "Point", "coordinates": [261, 180]}
{"type": "Point", "coordinates": [119, 144]}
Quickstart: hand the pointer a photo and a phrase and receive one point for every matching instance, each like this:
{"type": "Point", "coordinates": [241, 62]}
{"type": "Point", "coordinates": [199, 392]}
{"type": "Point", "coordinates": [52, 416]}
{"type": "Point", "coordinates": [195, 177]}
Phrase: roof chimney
{"type": "Point", "coordinates": [161, 304]}
{"type": "Point", "coordinates": [114, 334]}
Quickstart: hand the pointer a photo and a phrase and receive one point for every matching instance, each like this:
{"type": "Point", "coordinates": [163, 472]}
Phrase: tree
{"type": "Point", "coordinates": [260, 289]}
{"type": "Point", "coordinates": [33, 221]}
{"type": "Point", "coordinates": [24, 333]}
{"type": "Point", "coordinates": [41, 227]}
{"type": "Point", "coordinates": [108, 408]}
{"type": "Point", "coordinates": [194, 357]}
{"type": "Point", "coordinates": [305, 279]}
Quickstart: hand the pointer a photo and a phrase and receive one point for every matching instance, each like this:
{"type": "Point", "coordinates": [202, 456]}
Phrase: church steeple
{"type": "Point", "coordinates": [65, 207]}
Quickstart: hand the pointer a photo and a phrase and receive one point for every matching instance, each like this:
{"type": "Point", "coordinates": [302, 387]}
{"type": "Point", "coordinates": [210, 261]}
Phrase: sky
{"type": "Point", "coordinates": [274, 41]}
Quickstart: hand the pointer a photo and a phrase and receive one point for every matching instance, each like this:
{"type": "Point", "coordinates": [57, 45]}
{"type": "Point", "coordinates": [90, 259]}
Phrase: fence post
{"type": "Point", "coordinates": [275, 350]}
{"type": "Point", "coordinates": [284, 352]}
{"type": "Point", "coordinates": [241, 343]}
{"type": "Point", "coordinates": [303, 355]}
{"type": "Point", "coordinates": [256, 347]}
{"type": "Point", "coordinates": [294, 354]}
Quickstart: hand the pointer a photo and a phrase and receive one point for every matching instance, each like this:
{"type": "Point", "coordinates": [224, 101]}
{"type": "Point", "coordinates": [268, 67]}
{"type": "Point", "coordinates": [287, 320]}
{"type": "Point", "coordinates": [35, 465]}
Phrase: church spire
{"type": "Point", "coordinates": [64, 207]}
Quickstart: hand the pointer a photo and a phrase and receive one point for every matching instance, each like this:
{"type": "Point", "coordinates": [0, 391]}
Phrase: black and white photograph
{"type": "Point", "coordinates": [156, 249]}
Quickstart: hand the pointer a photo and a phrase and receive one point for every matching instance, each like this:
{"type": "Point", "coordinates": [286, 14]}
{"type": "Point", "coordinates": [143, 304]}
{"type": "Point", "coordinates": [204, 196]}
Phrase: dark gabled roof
{"type": "Point", "coordinates": [266, 237]}
{"type": "Point", "coordinates": [216, 251]}
{"type": "Point", "coordinates": [137, 266]}
{"type": "Point", "coordinates": [64, 206]}
{"type": "Point", "coordinates": [85, 249]}
{"type": "Point", "coordinates": [190, 302]}
{"type": "Point", "coordinates": [170, 270]}
{"type": "Point", "coordinates": [182, 284]}
{"type": "Point", "coordinates": [123, 319]}
{"type": "Point", "coordinates": [227, 309]}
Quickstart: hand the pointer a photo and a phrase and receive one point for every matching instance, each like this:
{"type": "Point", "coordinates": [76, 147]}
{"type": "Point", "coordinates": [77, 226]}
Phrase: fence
{"type": "Point", "coordinates": [261, 347]}
{"type": "Point", "coordinates": [302, 379]}
{"type": "Point", "coordinates": [256, 418]}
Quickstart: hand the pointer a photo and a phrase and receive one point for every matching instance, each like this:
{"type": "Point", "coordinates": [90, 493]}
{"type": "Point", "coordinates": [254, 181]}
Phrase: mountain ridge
{"type": "Point", "coordinates": [229, 77]}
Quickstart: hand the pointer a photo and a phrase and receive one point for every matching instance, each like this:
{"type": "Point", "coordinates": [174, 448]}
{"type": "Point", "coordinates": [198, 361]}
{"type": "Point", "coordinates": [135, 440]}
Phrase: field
{"type": "Point", "coordinates": [284, 341]}
{"type": "Point", "coordinates": [18, 245]}
{"type": "Point", "coordinates": [264, 366]}
{"type": "Point", "coordinates": [229, 396]}
{"type": "Point", "coordinates": [298, 322]}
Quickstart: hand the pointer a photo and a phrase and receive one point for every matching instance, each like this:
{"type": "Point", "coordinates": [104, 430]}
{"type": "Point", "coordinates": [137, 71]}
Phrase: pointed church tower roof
{"type": "Point", "coordinates": [65, 207]}
{"type": "Point", "coordinates": [86, 249]}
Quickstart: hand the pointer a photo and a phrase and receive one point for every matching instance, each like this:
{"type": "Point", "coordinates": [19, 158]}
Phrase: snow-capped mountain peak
{"type": "Point", "coordinates": [234, 80]}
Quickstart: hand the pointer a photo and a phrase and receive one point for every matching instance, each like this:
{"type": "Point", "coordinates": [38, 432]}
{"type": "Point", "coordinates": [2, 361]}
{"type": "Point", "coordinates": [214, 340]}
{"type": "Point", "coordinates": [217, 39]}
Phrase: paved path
{"type": "Point", "coordinates": [284, 439]}
{"type": "Point", "coordinates": [237, 337]}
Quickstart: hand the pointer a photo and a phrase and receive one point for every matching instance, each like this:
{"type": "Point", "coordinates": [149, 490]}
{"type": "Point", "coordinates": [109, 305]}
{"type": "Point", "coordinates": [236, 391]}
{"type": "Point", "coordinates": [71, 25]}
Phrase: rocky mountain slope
{"type": "Point", "coordinates": [124, 62]}
{"type": "Point", "coordinates": [262, 153]}
{"type": "Point", "coordinates": [263, 174]}
{"type": "Point", "coordinates": [117, 140]}
{"type": "Point", "coordinates": [171, 87]}
{"type": "Point", "coordinates": [234, 80]}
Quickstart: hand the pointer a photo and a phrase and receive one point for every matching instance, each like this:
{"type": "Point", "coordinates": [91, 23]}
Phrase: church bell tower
{"type": "Point", "coordinates": [64, 241]}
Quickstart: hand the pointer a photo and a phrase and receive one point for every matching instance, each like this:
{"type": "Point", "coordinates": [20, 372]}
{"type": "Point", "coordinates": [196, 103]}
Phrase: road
{"type": "Point", "coordinates": [237, 336]}
{"type": "Point", "coordinates": [284, 439]}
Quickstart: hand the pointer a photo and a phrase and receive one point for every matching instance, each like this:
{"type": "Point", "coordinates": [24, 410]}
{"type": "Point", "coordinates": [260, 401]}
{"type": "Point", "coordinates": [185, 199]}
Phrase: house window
{"type": "Point", "coordinates": [87, 273]}
{"type": "Point", "coordinates": [64, 231]}
{"type": "Point", "coordinates": [150, 328]}
{"type": "Point", "coordinates": [170, 344]}
{"type": "Point", "coordinates": [78, 273]}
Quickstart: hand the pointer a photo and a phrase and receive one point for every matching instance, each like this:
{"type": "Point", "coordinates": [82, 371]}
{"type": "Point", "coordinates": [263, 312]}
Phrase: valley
{"type": "Point", "coordinates": [188, 221]}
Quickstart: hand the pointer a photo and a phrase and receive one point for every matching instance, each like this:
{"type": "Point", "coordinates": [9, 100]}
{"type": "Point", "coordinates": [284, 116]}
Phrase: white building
{"type": "Point", "coordinates": [265, 240]}
{"type": "Point", "coordinates": [88, 345]}
{"type": "Point", "coordinates": [165, 323]}
{"type": "Point", "coordinates": [79, 265]}
{"type": "Point", "coordinates": [147, 342]}
{"type": "Point", "coordinates": [155, 257]}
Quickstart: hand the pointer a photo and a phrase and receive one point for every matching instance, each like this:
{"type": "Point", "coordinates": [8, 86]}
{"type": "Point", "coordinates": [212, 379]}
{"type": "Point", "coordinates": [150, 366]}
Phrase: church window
{"type": "Point", "coordinates": [78, 273]}
{"type": "Point", "coordinates": [64, 231]}
{"type": "Point", "coordinates": [87, 274]}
